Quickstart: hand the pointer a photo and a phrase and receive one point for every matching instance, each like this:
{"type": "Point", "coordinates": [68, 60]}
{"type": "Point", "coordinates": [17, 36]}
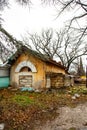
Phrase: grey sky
{"type": "Point", "coordinates": [18, 20]}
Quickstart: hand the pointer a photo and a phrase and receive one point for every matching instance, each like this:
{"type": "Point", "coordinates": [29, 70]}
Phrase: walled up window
{"type": "Point", "coordinates": [25, 69]}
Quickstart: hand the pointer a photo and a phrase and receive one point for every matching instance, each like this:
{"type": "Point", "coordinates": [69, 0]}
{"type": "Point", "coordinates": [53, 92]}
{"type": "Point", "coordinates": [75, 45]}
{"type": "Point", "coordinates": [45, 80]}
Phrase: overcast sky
{"type": "Point", "coordinates": [18, 20]}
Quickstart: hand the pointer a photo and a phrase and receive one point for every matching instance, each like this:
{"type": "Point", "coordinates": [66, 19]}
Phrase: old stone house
{"type": "Point", "coordinates": [31, 69]}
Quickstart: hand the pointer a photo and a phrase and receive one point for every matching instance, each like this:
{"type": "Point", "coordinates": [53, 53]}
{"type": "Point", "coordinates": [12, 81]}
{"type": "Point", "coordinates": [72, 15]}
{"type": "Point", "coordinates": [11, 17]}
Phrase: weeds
{"type": "Point", "coordinates": [22, 100]}
{"type": "Point", "coordinates": [79, 90]}
{"type": "Point", "coordinates": [22, 108]}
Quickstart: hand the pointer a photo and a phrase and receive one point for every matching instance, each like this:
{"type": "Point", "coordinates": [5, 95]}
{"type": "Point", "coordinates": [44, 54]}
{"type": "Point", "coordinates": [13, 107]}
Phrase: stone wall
{"type": "Point", "coordinates": [57, 80]}
{"type": "Point", "coordinates": [25, 81]}
{"type": "Point", "coordinates": [69, 80]}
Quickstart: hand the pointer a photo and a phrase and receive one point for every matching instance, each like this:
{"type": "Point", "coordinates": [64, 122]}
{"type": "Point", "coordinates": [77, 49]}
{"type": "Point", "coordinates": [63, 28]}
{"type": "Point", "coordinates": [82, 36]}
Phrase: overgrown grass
{"type": "Point", "coordinates": [22, 100]}
{"type": "Point", "coordinates": [77, 89]}
{"type": "Point", "coordinates": [23, 108]}
{"type": "Point", "coordinates": [43, 100]}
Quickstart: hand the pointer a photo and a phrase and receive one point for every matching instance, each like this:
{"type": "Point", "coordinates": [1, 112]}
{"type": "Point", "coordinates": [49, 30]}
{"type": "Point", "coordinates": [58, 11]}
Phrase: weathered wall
{"type": "Point", "coordinates": [68, 80]}
{"type": "Point", "coordinates": [39, 79]}
{"type": "Point", "coordinates": [54, 68]}
{"type": "Point", "coordinates": [60, 80]}
{"type": "Point", "coordinates": [57, 80]}
{"type": "Point", "coordinates": [48, 82]}
{"type": "Point", "coordinates": [4, 71]}
{"type": "Point", "coordinates": [25, 80]}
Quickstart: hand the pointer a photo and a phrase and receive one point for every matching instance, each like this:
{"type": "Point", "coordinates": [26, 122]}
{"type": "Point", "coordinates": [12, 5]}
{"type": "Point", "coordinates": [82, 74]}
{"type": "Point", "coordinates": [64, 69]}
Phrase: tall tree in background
{"type": "Point", "coordinates": [75, 48]}
{"type": "Point", "coordinates": [80, 70]}
{"type": "Point", "coordinates": [8, 44]}
{"type": "Point", "coordinates": [64, 46]}
{"type": "Point", "coordinates": [79, 6]}
{"type": "Point", "coordinates": [79, 9]}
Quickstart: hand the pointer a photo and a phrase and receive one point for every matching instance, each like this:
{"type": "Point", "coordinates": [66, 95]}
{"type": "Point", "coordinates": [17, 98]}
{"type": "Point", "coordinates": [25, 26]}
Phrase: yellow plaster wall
{"type": "Point", "coordinates": [39, 79]}
{"type": "Point", "coordinates": [54, 68]}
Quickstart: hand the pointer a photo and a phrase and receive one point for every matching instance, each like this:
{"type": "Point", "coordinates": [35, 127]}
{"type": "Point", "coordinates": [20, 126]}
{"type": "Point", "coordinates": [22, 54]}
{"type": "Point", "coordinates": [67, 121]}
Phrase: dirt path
{"type": "Point", "coordinates": [68, 118]}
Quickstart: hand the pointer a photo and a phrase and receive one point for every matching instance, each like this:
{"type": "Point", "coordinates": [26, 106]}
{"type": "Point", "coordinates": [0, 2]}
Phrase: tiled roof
{"type": "Point", "coordinates": [24, 49]}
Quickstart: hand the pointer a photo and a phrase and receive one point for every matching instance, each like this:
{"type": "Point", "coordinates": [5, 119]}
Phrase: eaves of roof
{"type": "Point", "coordinates": [24, 49]}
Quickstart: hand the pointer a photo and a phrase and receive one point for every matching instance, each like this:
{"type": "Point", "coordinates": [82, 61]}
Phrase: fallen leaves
{"type": "Point", "coordinates": [22, 110]}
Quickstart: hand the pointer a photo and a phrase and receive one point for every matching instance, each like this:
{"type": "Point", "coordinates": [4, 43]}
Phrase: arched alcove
{"type": "Point", "coordinates": [25, 69]}
{"type": "Point", "coordinates": [28, 64]}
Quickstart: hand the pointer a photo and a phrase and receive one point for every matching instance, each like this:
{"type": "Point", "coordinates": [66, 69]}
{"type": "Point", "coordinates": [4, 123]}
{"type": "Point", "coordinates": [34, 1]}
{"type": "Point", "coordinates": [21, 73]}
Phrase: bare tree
{"type": "Point", "coordinates": [70, 4]}
{"type": "Point", "coordinates": [8, 45]}
{"type": "Point", "coordinates": [80, 70]}
{"type": "Point", "coordinates": [64, 46]}
{"type": "Point", "coordinates": [45, 43]}
{"type": "Point", "coordinates": [79, 9]}
{"type": "Point", "coordinates": [77, 5]}
{"type": "Point", "coordinates": [72, 47]}
{"type": "Point", "coordinates": [6, 3]}
{"type": "Point", "coordinates": [3, 3]}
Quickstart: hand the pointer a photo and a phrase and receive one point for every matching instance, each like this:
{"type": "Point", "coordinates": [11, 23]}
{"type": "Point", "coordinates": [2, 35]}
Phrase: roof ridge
{"type": "Point", "coordinates": [41, 56]}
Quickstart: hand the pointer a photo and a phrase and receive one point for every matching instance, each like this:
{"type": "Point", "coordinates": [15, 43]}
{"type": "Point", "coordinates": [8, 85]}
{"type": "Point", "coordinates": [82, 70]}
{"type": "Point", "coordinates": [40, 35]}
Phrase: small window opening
{"type": "Point", "coordinates": [25, 69]}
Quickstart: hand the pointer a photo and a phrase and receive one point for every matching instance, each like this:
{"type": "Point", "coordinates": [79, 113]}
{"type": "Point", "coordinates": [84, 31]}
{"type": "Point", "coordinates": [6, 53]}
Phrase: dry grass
{"type": "Point", "coordinates": [21, 110]}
